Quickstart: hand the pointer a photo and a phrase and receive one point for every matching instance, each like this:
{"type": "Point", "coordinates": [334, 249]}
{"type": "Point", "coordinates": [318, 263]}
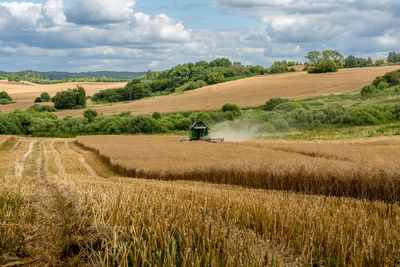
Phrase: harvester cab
{"type": "Point", "coordinates": [199, 132]}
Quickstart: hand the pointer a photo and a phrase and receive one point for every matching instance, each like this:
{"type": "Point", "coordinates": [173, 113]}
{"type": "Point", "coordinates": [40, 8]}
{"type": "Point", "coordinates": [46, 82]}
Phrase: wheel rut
{"type": "Point", "coordinates": [82, 160]}
{"type": "Point", "coordinates": [65, 235]}
{"type": "Point", "coordinates": [20, 163]}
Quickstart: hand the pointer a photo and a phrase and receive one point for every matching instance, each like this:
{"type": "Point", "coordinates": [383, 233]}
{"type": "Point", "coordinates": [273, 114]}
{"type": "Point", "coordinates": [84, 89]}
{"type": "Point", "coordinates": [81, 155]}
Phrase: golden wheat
{"type": "Point", "coordinates": [53, 218]}
{"type": "Point", "coordinates": [360, 171]}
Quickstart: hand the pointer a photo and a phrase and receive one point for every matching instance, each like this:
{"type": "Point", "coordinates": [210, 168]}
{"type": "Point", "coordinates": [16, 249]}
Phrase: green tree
{"type": "Point", "coordinates": [214, 78]}
{"type": "Point", "coordinates": [70, 99]}
{"type": "Point", "coordinates": [81, 97]}
{"type": "Point", "coordinates": [230, 107]}
{"type": "Point", "coordinates": [156, 115]}
{"type": "Point", "coordinates": [45, 97]}
{"type": "Point", "coordinates": [393, 57]}
{"type": "Point", "coordinates": [327, 61]}
{"type": "Point", "coordinates": [90, 114]}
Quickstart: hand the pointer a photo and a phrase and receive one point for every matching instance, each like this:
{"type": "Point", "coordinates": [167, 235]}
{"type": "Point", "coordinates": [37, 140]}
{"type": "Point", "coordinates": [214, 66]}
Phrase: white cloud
{"type": "Point", "coordinates": [100, 11]}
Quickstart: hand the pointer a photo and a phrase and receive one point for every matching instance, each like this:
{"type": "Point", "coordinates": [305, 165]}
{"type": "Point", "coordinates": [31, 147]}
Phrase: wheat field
{"type": "Point", "coordinates": [61, 204]}
{"type": "Point", "coordinates": [250, 92]}
{"type": "Point", "coordinates": [363, 170]}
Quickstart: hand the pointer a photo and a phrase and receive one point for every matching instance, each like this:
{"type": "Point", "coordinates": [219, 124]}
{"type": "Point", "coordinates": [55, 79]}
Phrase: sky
{"type": "Point", "coordinates": [137, 35]}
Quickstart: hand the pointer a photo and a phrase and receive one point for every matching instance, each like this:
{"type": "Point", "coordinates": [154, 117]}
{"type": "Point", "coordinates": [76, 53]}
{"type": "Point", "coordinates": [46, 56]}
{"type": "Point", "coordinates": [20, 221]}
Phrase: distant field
{"type": "Point", "coordinates": [25, 95]}
{"type": "Point", "coordinates": [352, 169]}
{"type": "Point", "coordinates": [251, 92]}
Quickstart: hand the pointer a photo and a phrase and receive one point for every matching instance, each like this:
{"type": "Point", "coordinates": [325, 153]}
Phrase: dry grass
{"type": "Point", "coordinates": [53, 218]}
{"type": "Point", "coordinates": [5, 138]}
{"type": "Point", "coordinates": [350, 170]}
{"type": "Point", "coordinates": [250, 92]}
{"type": "Point", "coordinates": [25, 95]}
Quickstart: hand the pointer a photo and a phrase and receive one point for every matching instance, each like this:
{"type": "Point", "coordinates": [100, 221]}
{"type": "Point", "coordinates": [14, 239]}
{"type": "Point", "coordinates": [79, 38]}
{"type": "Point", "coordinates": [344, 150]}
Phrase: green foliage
{"type": "Point", "coordinates": [379, 62]}
{"type": "Point", "coordinates": [44, 97]}
{"type": "Point", "coordinates": [214, 78]}
{"type": "Point", "coordinates": [382, 85]}
{"type": "Point", "coordinates": [5, 101]}
{"type": "Point", "coordinates": [368, 91]}
{"type": "Point", "coordinates": [279, 67]}
{"type": "Point", "coordinates": [42, 108]}
{"type": "Point", "coordinates": [90, 114]}
{"type": "Point", "coordinates": [70, 99]}
{"type": "Point", "coordinates": [180, 78]}
{"type": "Point", "coordinates": [230, 107]}
{"type": "Point", "coordinates": [230, 111]}
{"type": "Point", "coordinates": [355, 62]}
{"type": "Point", "coordinates": [327, 61]}
{"type": "Point", "coordinates": [393, 57]}
{"type": "Point", "coordinates": [156, 115]}
{"type": "Point", "coordinates": [5, 95]}
{"type": "Point", "coordinates": [273, 102]}
{"type": "Point", "coordinates": [391, 79]}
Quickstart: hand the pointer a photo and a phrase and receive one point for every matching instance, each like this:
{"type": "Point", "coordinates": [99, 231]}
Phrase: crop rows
{"type": "Point", "coordinates": [59, 213]}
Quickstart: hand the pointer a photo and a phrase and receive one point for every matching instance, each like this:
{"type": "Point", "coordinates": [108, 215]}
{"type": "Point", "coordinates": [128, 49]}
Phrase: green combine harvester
{"type": "Point", "coordinates": [199, 132]}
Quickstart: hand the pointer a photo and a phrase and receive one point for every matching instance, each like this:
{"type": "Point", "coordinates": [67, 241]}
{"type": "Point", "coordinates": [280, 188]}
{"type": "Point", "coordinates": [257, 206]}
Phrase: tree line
{"type": "Point", "coordinates": [277, 115]}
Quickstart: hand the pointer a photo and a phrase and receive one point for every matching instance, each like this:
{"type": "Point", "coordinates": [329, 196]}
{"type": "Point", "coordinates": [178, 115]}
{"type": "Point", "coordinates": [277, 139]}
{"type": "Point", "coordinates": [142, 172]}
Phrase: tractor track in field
{"type": "Point", "coordinates": [20, 163]}
{"type": "Point", "coordinates": [63, 235]}
{"type": "Point", "coordinates": [59, 164]}
{"type": "Point", "coordinates": [82, 160]}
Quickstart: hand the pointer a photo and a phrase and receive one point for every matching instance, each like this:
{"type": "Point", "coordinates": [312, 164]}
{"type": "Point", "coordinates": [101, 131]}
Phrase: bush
{"type": "Point", "coordinates": [144, 124]}
{"type": "Point", "coordinates": [156, 115]}
{"type": "Point", "coordinates": [278, 67]}
{"type": "Point", "coordinates": [90, 114]}
{"type": "Point", "coordinates": [273, 102]}
{"type": "Point", "coordinates": [288, 106]}
{"type": "Point", "coordinates": [45, 97]}
{"type": "Point", "coordinates": [299, 117]}
{"type": "Point", "coordinates": [5, 95]}
{"type": "Point", "coordinates": [40, 108]}
{"type": "Point", "coordinates": [392, 78]}
{"type": "Point", "coordinates": [230, 107]}
{"type": "Point", "coordinates": [382, 85]}
{"type": "Point", "coordinates": [214, 78]}
{"type": "Point", "coordinates": [5, 101]}
{"type": "Point", "coordinates": [201, 116]}
{"type": "Point", "coordinates": [368, 91]}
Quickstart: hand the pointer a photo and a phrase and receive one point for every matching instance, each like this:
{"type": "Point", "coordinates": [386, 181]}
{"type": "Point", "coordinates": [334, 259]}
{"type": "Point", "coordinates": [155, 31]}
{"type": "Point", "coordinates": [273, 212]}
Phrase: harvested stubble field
{"type": "Point", "coordinates": [61, 204]}
{"type": "Point", "coordinates": [250, 92]}
{"type": "Point", "coordinates": [25, 94]}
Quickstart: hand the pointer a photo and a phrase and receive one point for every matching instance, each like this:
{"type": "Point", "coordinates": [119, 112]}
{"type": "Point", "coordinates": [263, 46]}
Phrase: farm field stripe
{"type": "Point", "coordinates": [20, 163]}
{"type": "Point", "coordinates": [57, 159]}
{"type": "Point", "coordinates": [65, 232]}
{"type": "Point", "coordinates": [82, 161]}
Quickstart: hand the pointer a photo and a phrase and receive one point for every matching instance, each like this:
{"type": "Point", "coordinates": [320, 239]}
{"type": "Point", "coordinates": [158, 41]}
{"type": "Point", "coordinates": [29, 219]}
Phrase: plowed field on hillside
{"type": "Point", "coordinates": [251, 92]}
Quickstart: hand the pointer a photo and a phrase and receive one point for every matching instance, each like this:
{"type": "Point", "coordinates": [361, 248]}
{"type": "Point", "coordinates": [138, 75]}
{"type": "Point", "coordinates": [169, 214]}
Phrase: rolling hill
{"type": "Point", "coordinates": [249, 92]}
